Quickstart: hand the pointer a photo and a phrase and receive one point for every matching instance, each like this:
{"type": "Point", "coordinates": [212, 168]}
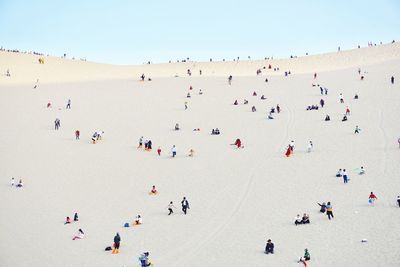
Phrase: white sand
{"type": "Point", "coordinates": [239, 198]}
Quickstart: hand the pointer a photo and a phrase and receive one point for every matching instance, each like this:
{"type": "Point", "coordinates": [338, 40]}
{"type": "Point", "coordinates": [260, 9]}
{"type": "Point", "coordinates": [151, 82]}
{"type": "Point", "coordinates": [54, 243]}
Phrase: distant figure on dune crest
{"type": "Point", "coordinates": [392, 79]}
{"type": "Point", "coordinates": [269, 247]}
{"type": "Point", "coordinates": [80, 235]}
{"type": "Point", "coordinates": [142, 77]}
{"type": "Point", "coordinates": [230, 79]}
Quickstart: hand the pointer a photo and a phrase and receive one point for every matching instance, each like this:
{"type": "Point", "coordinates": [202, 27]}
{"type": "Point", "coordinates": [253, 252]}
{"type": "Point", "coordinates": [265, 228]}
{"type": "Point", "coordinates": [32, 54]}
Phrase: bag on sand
{"type": "Point", "coordinates": [107, 248]}
{"type": "Point", "coordinates": [126, 225]}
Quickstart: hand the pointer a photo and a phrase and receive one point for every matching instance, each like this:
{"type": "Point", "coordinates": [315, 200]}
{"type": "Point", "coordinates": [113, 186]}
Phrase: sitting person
{"type": "Point", "coordinates": [235, 103]}
{"type": "Point", "coordinates": [49, 105]}
{"type": "Point", "coordinates": [308, 108]}
{"type": "Point", "coordinates": [238, 143]}
{"type": "Point", "coordinates": [80, 235]}
{"type": "Point", "coordinates": [305, 219]}
{"type": "Point", "coordinates": [272, 110]}
{"type": "Point", "coordinates": [339, 173]}
{"type": "Point", "coordinates": [217, 131]}
{"type": "Point", "coordinates": [297, 220]}
{"type": "Point", "coordinates": [344, 118]}
{"type": "Point", "coordinates": [20, 184]}
{"type": "Point", "coordinates": [153, 190]}
{"type": "Point", "coordinates": [200, 92]}
{"type": "Point", "coordinates": [245, 101]}
{"type": "Point", "coordinates": [323, 207]}
{"type": "Point", "coordinates": [270, 116]}
{"type": "Point", "coordinates": [67, 220]}
{"type": "Point", "coordinates": [327, 118]}
{"type": "Point", "coordinates": [263, 97]}
{"type": "Point", "coordinates": [188, 95]}
{"type": "Point", "coordinates": [269, 247]}
{"type": "Point", "coordinates": [362, 171]}
{"type": "Point", "coordinates": [253, 109]}
{"type": "Point", "coordinates": [254, 93]}
{"type": "Point", "coordinates": [213, 132]}
{"type": "Point", "coordinates": [356, 96]}
{"type": "Point", "coordinates": [144, 260]}
{"type": "Point", "coordinates": [138, 220]}
{"type": "Point", "coordinates": [196, 129]}
{"type": "Point", "coordinates": [191, 152]}
{"type": "Point", "coordinates": [177, 127]}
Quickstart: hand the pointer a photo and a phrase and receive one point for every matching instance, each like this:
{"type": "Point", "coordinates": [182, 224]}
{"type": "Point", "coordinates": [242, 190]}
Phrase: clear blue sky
{"type": "Point", "coordinates": [130, 31]}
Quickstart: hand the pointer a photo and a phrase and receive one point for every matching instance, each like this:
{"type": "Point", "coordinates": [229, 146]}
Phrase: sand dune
{"type": "Point", "coordinates": [239, 198]}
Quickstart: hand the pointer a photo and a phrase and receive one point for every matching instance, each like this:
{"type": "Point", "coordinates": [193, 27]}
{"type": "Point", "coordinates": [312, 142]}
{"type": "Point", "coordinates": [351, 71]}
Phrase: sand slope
{"type": "Point", "coordinates": [239, 198]}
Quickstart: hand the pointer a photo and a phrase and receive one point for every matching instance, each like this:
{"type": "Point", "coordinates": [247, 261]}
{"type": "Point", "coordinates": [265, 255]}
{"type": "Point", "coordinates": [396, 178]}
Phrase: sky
{"type": "Point", "coordinates": [134, 32]}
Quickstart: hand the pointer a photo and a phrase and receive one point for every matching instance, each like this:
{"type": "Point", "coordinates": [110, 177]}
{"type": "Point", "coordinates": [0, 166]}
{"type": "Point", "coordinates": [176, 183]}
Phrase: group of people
{"type": "Point", "coordinates": [148, 145]}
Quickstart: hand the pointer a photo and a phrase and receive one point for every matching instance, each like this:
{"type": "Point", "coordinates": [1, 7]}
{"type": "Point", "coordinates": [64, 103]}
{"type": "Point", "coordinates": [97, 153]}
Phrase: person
{"type": "Point", "coordinates": [173, 151]}
{"type": "Point", "coordinates": [144, 260]}
{"type": "Point", "coordinates": [159, 151]}
{"type": "Point", "coordinates": [357, 130]}
{"type": "Point", "coordinates": [326, 90]}
{"type": "Point", "coordinates": [238, 143]}
{"type": "Point", "coordinates": [392, 79]}
{"type": "Point", "coordinates": [245, 101]}
{"type": "Point", "coordinates": [272, 110]}
{"type": "Point", "coordinates": [69, 104]}
{"type": "Point", "coordinates": [80, 235]}
{"type": "Point", "coordinates": [266, 80]}
{"type": "Point", "coordinates": [230, 79]}
{"type": "Point", "coordinates": [341, 98]}
{"type": "Point", "coordinates": [185, 205]}
{"type": "Point", "coordinates": [321, 90]}
{"type": "Point", "coordinates": [20, 184]}
{"type": "Point", "coordinates": [310, 147]}
{"type": "Point", "coordinates": [186, 105]}
{"type": "Point", "coordinates": [153, 190]}
{"type": "Point", "coordinates": [305, 219]}
{"type": "Point", "coordinates": [347, 111]}
{"type": "Point", "coordinates": [200, 92]}
{"type": "Point", "coordinates": [327, 118]}
{"type": "Point", "coordinates": [344, 118]}
{"type": "Point", "coordinates": [138, 220]}
{"type": "Point", "coordinates": [398, 141]}
{"type": "Point", "coordinates": [288, 152]}
{"type": "Point", "coordinates": [171, 207]}
{"type": "Point", "coordinates": [307, 256]}
{"type": "Point", "coordinates": [253, 109]}
{"type": "Point", "coordinates": [270, 116]}
{"type": "Point", "coordinates": [339, 173]}
{"type": "Point", "coordinates": [57, 124]}
{"type": "Point", "coordinates": [362, 171]}
{"type": "Point", "coordinates": [291, 145]}
{"type": "Point", "coordinates": [322, 103]}
{"type": "Point", "coordinates": [278, 108]}
{"type": "Point", "coordinates": [235, 103]}
{"type": "Point", "coordinates": [217, 131]}
{"type": "Point", "coordinates": [315, 75]}
{"type": "Point", "coordinates": [117, 243]}
{"type": "Point", "coordinates": [8, 73]}
{"type": "Point", "coordinates": [345, 177]}
{"type": "Point", "coordinates": [188, 95]}
{"type": "Point", "coordinates": [322, 207]}
{"type": "Point", "coordinates": [191, 152]}
{"type": "Point", "coordinates": [140, 142]}
{"type": "Point", "coordinates": [12, 181]}
{"type": "Point", "coordinates": [269, 247]}
{"type": "Point", "coordinates": [263, 97]}
{"type": "Point", "coordinates": [372, 198]}
{"type": "Point", "coordinates": [67, 220]}
{"type": "Point", "coordinates": [177, 127]}
{"type": "Point", "coordinates": [297, 220]}
{"type": "Point", "coordinates": [77, 134]}
{"type": "Point", "coordinates": [94, 138]}
{"type": "Point", "coordinates": [48, 104]}
{"type": "Point", "coordinates": [142, 77]}
{"type": "Point", "coordinates": [149, 145]}
{"type": "Point", "coordinates": [329, 210]}
{"type": "Point", "coordinates": [356, 96]}
{"type": "Point", "coordinates": [254, 93]}
{"type": "Point", "coordinates": [398, 200]}
{"type": "Point", "coordinates": [99, 135]}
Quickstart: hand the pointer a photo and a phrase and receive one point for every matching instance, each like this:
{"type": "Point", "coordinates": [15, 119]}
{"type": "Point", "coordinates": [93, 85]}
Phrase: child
{"type": "Point", "coordinates": [171, 207]}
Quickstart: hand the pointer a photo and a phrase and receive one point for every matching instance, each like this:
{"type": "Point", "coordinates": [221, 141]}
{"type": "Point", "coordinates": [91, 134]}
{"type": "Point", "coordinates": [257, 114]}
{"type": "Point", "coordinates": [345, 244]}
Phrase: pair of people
{"type": "Point", "coordinates": [184, 203]}
{"type": "Point", "coordinates": [68, 219]}
{"type": "Point", "coordinates": [97, 136]}
{"type": "Point", "coordinates": [215, 132]}
{"type": "Point", "coordinates": [302, 220]}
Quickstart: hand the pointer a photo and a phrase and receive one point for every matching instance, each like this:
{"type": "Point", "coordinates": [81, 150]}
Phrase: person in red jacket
{"type": "Point", "coordinates": [77, 134]}
{"type": "Point", "coordinates": [238, 143]}
{"type": "Point", "coordinates": [372, 198]}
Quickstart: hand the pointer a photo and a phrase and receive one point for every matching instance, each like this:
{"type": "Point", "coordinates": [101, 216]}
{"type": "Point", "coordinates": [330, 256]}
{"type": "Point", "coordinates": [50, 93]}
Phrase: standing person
{"type": "Point", "coordinates": [326, 90]}
{"type": "Point", "coordinates": [269, 247]}
{"type": "Point", "coordinates": [398, 200]}
{"type": "Point", "coordinates": [94, 138]}
{"type": "Point", "coordinates": [357, 130]}
{"type": "Point", "coordinates": [149, 145]}
{"type": "Point", "coordinates": [347, 111]}
{"type": "Point", "coordinates": [80, 235]}
{"type": "Point", "coordinates": [310, 147]}
{"type": "Point", "coordinates": [69, 104]}
{"type": "Point", "coordinates": [117, 242]}
{"type": "Point", "coordinates": [230, 79]}
{"type": "Point", "coordinates": [76, 217]}
{"type": "Point", "coordinates": [159, 151]}
{"type": "Point", "coordinates": [57, 124]}
{"type": "Point", "coordinates": [278, 108]}
{"type": "Point", "coordinates": [315, 75]}
{"type": "Point", "coordinates": [77, 134]}
{"type": "Point", "coordinates": [329, 210]}
{"type": "Point", "coordinates": [140, 142]}
{"type": "Point", "coordinates": [173, 151]}
{"type": "Point", "coordinates": [322, 103]}
{"type": "Point", "coordinates": [392, 79]}
{"type": "Point", "coordinates": [322, 90]}
{"type": "Point", "coordinates": [291, 145]}
{"type": "Point", "coordinates": [185, 205]}
{"type": "Point", "coordinates": [372, 198]}
{"type": "Point", "coordinates": [345, 177]}
{"type": "Point", "coordinates": [171, 207]}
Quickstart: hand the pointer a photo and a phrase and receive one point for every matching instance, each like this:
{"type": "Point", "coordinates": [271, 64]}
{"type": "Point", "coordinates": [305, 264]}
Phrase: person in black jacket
{"type": "Point", "coordinates": [185, 205]}
{"type": "Point", "coordinates": [269, 248]}
{"type": "Point", "coordinates": [117, 241]}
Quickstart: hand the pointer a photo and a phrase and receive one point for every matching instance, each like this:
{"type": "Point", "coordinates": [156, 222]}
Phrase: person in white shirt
{"type": "Point", "coordinates": [173, 151]}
